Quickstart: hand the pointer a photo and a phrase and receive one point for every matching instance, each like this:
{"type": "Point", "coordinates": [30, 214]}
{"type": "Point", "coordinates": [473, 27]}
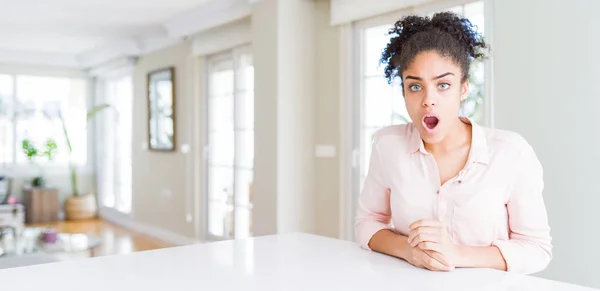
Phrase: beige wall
{"type": "Point", "coordinates": [328, 122]}
{"type": "Point", "coordinates": [287, 197]}
{"type": "Point", "coordinates": [284, 48]}
{"type": "Point", "coordinates": [264, 189]}
{"type": "Point", "coordinates": [161, 180]}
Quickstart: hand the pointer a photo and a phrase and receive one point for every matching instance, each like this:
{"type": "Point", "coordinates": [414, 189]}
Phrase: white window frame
{"type": "Point", "coordinates": [101, 96]}
{"type": "Point", "coordinates": [24, 170]}
{"type": "Point", "coordinates": [231, 53]}
{"type": "Point", "coordinates": [351, 62]}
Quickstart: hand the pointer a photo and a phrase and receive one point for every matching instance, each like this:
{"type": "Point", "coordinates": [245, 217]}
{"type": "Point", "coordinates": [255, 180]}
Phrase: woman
{"type": "Point", "coordinates": [443, 192]}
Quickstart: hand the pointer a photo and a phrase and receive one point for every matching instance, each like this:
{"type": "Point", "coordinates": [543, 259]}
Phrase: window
{"type": "Point", "coordinates": [7, 145]}
{"type": "Point", "coordinates": [115, 144]}
{"type": "Point", "coordinates": [31, 108]}
{"type": "Point", "coordinates": [378, 104]}
{"type": "Point", "coordinates": [230, 144]}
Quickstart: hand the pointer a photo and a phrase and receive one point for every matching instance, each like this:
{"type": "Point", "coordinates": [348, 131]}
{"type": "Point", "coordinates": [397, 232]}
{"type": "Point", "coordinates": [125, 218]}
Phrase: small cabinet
{"type": "Point", "coordinates": [41, 205]}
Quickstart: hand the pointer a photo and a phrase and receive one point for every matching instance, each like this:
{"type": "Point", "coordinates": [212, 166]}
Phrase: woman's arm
{"type": "Point", "coordinates": [373, 212]}
{"type": "Point", "coordinates": [387, 242]}
{"type": "Point", "coordinates": [529, 249]}
{"type": "Point", "coordinates": [480, 257]}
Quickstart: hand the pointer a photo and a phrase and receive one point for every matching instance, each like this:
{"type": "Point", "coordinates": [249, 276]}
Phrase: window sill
{"type": "Point", "coordinates": [21, 171]}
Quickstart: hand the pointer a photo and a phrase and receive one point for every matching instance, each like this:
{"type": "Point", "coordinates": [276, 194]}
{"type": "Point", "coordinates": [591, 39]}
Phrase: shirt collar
{"type": "Point", "coordinates": [479, 147]}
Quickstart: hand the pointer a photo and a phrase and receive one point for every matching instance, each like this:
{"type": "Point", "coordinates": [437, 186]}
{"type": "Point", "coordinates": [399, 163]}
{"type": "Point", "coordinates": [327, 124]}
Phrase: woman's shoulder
{"type": "Point", "coordinates": [398, 133]}
{"type": "Point", "coordinates": [507, 141]}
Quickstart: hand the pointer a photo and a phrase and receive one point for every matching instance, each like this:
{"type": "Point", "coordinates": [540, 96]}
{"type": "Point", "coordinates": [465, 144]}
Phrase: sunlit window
{"type": "Point", "coordinates": [230, 144]}
{"type": "Point", "coordinates": [115, 143]}
{"type": "Point", "coordinates": [33, 108]}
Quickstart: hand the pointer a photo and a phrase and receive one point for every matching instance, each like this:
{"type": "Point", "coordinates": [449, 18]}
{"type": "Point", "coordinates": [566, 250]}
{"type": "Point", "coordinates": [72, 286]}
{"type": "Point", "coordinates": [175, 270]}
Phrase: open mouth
{"type": "Point", "coordinates": [431, 121]}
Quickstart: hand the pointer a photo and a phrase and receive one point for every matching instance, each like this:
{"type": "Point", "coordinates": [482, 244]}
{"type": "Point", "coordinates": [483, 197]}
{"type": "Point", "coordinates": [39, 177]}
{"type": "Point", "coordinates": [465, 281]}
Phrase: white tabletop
{"type": "Point", "coordinates": [284, 262]}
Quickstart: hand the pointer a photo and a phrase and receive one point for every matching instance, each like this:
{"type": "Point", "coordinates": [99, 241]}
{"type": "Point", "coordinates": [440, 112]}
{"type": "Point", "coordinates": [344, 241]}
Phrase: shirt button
{"type": "Point", "coordinates": [438, 191]}
{"type": "Point", "coordinates": [459, 181]}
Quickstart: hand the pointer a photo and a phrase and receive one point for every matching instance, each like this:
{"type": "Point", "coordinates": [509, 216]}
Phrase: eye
{"type": "Point", "coordinates": [414, 88]}
{"type": "Point", "coordinates": [444, 86]}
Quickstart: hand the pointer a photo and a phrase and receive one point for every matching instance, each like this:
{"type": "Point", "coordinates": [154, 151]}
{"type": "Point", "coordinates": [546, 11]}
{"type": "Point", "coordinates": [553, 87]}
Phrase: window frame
{"type": "Point", "coordinates": [24, 170]}
{"type": "Point", "coordinates": [102, 86]}
{"type": "Point", "coordinates": [228, 54]}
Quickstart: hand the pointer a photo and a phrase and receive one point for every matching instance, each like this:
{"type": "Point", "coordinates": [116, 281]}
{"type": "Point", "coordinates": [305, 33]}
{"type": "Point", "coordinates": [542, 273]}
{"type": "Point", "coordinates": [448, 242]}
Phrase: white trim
{"type": "Point", "coordinates": [109, 52]}
{"type": "Point", "coordinates": [149, 45]}
{"type": "Point", "coordinates": [346, 11]}
{"type": "Point", "coordinates": [203, 135]}
{"type": "Point", "coordinates": [488, 103]}
{"type": "Point", "coordinates": [197, 134]}
{"type": "Point", "coordinates": [390, 17]}
{"type": "Point", "coordinates": [114, 69]}
{"type": "Point", "coordinates": [210, 15]}
{"type": "Point", "coordinates": [383, 19]}
{"type": "Point", "coordinates": [42, 70]}
{"type": "Point", "coordinates": [38, 58]}
{"type": "Point", "coordinates": [345, 99]}
{"type": "Point", "coordinates": [227, 37]}
{"type": "Point", "coordinates": [128, 222]}
{"type": "Point", "coordinates": [24, 171]}
{"type": "Point", "coordinates": [440, 5]}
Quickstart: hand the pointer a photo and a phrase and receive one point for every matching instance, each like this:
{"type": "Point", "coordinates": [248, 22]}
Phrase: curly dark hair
{"type": "Point", "coordinates": [446, 33]}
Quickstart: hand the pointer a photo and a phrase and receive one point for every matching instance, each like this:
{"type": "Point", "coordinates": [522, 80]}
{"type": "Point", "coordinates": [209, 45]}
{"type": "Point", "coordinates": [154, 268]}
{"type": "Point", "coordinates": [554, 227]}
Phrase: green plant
{"type": "Point", "coordinates": [90, 114]}
{"type": "Point", "coordinates": [50, 149]}
{"type": "Point", "coordinates": [32, 153]}
{"type": "Point", "coordinates": [30, 150]}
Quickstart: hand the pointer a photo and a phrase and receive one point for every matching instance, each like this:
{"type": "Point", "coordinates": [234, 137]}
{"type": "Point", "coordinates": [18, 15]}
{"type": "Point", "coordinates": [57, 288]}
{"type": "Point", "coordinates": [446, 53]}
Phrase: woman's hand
{"type": "Point", "coordinates": [431, 236]}
{"type": "Point", "coordinates": [427, 259]}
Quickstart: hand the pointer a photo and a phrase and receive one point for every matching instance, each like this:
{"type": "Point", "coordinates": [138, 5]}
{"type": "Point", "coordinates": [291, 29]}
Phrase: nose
{"type": "Point", "coordinates": [428, 101]}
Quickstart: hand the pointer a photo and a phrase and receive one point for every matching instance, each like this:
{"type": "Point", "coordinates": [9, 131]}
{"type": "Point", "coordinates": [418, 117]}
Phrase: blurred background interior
{"type": "Point", "coordinates": [134, 125]}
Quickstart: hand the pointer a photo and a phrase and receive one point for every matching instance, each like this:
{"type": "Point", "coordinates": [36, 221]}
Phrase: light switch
{"type": "Point", "coordinates": [166, 193]}
{"type": "Point", "coordinates": [185, 148]}
{"type": "Point", "coordinates": [325, 151]}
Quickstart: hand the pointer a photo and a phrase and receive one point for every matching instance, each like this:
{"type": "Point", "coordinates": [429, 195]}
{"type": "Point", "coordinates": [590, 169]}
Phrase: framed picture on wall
{"type": "Point", "coordinates": [161, 109]}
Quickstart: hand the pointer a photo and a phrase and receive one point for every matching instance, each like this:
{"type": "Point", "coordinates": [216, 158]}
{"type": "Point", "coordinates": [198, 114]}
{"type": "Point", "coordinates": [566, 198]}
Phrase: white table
{"type": "Point", "coordinates": [284, 262]}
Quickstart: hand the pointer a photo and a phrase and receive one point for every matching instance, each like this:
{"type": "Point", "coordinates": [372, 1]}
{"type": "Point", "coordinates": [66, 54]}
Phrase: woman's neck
{"type": "Point", "coordinates": [459, 136]}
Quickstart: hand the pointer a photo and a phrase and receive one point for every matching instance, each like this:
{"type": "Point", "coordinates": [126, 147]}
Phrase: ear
{"type": "Point", "coordinates": [464, 90]}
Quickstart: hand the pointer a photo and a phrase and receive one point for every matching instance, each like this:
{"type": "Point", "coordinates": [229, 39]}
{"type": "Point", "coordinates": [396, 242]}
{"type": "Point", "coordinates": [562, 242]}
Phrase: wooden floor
{"type": "Point", "coordinates": [115, 239]}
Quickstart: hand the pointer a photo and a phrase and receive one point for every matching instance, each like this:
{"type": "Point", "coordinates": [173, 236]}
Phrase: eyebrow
{"type": "Point", "coordinates": [438, 77]}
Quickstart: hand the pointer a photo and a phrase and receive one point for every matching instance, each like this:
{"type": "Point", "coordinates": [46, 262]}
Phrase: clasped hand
{"type": "Point", "coordinates": [431, 246]}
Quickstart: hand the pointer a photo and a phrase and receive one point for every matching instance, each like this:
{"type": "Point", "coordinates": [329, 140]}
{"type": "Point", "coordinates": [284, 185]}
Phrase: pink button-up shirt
{"type": "Point", "coordinates": [496, 200]}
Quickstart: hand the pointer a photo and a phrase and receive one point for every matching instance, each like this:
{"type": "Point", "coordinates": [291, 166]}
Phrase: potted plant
{"type": "Point", "coordinates": [33, 153]}
{"type": "Point", "coordinates": [79, 205]}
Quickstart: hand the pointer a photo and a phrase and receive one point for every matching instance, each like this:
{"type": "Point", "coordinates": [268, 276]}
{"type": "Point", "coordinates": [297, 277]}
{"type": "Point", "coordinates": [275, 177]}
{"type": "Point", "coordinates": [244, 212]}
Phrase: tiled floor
{"type": "Point", "coordinates": [115, 239]}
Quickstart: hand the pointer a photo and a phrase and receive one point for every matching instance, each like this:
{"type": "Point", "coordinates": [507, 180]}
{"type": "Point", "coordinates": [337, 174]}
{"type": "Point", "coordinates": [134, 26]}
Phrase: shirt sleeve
{"type": "Point", "coordinates": [373, 210]}
{"type": "Point", "coordinates": [529, 248]}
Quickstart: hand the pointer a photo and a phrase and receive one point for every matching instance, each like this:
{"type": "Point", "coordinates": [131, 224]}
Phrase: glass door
{"type": "Point", "coordinates": [230, 161]}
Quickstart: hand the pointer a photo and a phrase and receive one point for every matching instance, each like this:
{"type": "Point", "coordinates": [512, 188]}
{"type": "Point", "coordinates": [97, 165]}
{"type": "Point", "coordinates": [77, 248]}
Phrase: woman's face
{"type": "Point", "coordinates": [433, 93]}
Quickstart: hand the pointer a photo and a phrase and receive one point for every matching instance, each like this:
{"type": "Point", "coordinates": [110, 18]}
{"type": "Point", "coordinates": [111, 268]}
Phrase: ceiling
{"type": "Point", "coordinates": [75, 29]}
